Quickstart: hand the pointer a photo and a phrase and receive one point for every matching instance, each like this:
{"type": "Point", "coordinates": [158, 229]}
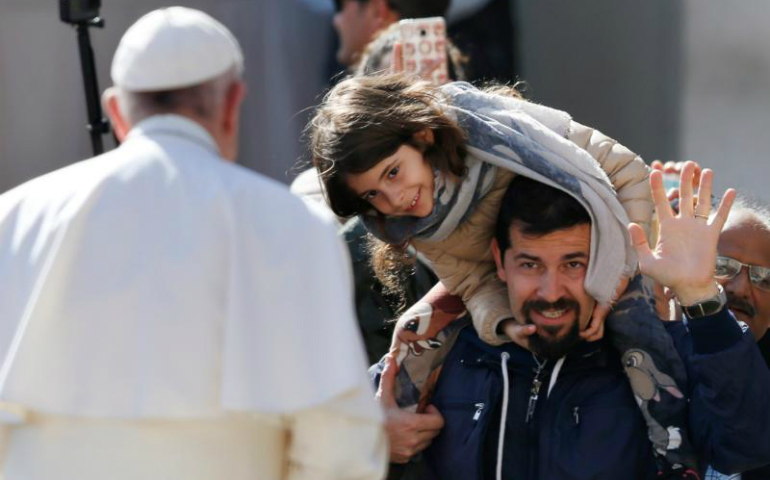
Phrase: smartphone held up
{"type": "Point", "coordinates": [424, 48]}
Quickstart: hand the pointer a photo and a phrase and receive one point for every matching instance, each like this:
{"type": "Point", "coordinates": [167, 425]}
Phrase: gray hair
{"type": "Point", "coordinates": [750, 206]}
{"type": "Point", "coordinates": [202, 100]}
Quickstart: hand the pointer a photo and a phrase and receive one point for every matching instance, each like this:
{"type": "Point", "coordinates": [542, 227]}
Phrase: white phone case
{"type": "Point", "coordinates": [423, 43]}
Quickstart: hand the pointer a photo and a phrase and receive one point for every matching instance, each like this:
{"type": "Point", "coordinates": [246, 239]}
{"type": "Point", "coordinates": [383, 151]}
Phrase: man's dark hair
{"type": "Point", "coordinates": [537, 209]}
{"type": "Point", "coordinates": [411, 8]}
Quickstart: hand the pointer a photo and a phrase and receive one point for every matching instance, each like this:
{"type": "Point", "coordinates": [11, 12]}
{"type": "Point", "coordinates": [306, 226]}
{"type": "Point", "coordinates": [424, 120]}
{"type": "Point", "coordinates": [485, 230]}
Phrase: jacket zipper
{"type": "Point", "coordinates": [479, 409]}
{"type": "Point", "coordinates": [535, 390]}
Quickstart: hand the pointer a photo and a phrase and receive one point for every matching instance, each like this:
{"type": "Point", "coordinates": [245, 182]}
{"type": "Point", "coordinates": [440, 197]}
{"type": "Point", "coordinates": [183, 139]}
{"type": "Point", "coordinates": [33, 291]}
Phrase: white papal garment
{"type": "Point", "coordinates": [167, 315]}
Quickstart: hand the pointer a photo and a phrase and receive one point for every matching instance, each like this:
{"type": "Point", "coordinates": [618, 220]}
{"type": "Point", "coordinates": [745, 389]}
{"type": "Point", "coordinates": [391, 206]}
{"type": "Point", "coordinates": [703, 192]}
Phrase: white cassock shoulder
{"type": "Point", "coordinates": [164, 283]}
{"type": "Point", "coordinates": [291, 323]}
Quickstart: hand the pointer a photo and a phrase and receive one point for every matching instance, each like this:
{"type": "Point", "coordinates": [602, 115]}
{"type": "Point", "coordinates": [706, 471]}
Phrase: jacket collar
{"type": "Point", "coordinates": [585, 355]}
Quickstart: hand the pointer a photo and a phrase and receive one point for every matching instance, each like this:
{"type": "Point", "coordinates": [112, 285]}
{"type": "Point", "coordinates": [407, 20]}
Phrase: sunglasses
{"type": "Point", "coordinates": [728, 268]}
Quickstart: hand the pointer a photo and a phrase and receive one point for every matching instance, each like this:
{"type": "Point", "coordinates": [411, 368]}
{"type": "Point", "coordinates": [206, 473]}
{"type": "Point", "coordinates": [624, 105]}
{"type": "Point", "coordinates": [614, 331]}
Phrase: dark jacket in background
{"type": "Point", "coordinates": [762, 473]}
{"type": "Point", "coordinates": [377, 310]}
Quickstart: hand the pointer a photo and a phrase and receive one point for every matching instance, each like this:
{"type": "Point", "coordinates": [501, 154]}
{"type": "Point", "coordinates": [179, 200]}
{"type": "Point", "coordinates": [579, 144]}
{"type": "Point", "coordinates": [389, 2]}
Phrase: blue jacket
{"type": "Point", "coordinates": [590, 426]}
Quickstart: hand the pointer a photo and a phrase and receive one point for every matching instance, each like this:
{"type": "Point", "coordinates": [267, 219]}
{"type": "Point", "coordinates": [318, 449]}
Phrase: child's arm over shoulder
{"type": "Point", "coordinates": [627, 171]}
{"type": "Point", "coordinates": [463, 261]}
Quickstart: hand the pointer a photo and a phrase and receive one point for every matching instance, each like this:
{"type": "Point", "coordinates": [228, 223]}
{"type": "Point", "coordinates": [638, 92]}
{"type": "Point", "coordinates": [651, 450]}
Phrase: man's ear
{"type": "Point", "coordinates": [425, 136]}
{"type": "Point", "coordinates": [498, 260]}
{"type": "Point", "coordinates": [385, 15]}
{"type": "Point", "coordinates": [119, 122]}
{"type": "Point", "coordinates": [233, 99]}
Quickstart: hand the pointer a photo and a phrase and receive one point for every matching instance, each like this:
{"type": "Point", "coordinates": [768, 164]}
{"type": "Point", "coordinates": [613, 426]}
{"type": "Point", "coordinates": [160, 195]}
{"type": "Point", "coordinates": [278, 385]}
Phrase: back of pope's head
{"type": "Point", "coordinates": [181, 61]}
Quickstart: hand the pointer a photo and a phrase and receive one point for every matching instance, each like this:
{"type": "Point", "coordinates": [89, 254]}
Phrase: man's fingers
{"type": "Point", "coordinates": [638, 238]}
{"type": "Point", "coordinates": [639, 241]}
{"type": "Point", "coordinates": [685, 190]}
{"type": "Point", "coordinates": [724, 209]}
{"type": "Point", "coordinates": [431, 419]}
{"type": "Point", "coordinates": [703, 207]}
{"type": "Point", "coordinates": [659, 196]}
{"type": "Point", "coordinates": [657, 165]}
{"type": "Point", "coordinates": [422, 446]}
{"type": "Point", "coordinates": [387, 383]}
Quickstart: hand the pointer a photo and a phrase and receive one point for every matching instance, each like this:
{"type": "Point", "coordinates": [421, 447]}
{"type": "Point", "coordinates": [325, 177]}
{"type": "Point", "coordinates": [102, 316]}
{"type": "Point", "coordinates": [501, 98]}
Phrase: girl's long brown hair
{"type": "Point", "coordinates": [363, 120]}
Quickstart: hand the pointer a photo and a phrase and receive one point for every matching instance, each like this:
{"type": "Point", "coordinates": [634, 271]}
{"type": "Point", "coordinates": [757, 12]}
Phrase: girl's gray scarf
{"type": "Point", "coordinates": [527, 139]}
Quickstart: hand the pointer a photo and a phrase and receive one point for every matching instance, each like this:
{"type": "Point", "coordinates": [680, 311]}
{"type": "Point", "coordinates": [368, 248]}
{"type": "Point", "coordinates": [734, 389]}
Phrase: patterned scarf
{"type": "Point", "coordinates": [529, 140]}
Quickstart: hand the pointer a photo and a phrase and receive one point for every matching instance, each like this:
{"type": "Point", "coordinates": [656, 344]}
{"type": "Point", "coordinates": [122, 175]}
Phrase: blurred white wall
{"type": "Point", "coordinates": [671, 80]}
{"type": "Point", "coordinates": [612, 64]}
{"type": "Point", "coordinates": [42, 107]}
{"type": "Point", "coordinates": [726, 91]}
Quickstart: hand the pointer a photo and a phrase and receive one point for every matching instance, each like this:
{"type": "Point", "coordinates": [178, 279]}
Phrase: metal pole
{"type": "Point", "coordinates": [97, 124]}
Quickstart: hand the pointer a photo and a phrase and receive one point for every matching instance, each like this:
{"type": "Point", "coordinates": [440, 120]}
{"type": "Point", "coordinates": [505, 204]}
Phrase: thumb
{"type": "Point", "coordinates": [595, 328]}
{"type": "Point", "coordinates": [519, 334]}
{"type": "Point", "coordinates": [397, 61]}
{"type": "Point", "coordinates": [387, 383]}
{"type": "Point", "coordinates": [639, 241]}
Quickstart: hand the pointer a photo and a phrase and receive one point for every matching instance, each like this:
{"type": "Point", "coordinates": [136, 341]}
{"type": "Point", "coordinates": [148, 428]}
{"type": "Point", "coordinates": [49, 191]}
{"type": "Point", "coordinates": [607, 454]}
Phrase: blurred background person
{"type": "Point", "coordinates": [358, 21]}
{"type": "Point", "coordinates": [743, 270]}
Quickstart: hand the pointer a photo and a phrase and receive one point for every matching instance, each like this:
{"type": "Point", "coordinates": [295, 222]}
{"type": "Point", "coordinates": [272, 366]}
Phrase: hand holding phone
{"type": "Point", "coordinates": [422, 49]}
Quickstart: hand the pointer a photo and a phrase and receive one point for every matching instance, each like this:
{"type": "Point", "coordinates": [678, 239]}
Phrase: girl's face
{"type": "Point", "coordinates": [399, 185]}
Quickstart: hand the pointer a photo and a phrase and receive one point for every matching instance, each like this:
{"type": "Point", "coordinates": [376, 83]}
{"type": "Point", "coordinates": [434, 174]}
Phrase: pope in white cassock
{"type": "Point", "coordinates": [166, 314]}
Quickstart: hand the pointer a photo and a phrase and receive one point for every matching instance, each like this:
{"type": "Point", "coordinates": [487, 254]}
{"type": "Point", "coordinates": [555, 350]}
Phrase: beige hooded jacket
{"type": "Point", "coordinates": [464, 263]}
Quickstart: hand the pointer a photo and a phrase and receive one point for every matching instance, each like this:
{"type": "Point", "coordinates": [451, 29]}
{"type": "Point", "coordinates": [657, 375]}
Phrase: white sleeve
{"type": "Point", "coordinates": [292, 341]}
{"type": "Point", "coordinates": [327, 444]}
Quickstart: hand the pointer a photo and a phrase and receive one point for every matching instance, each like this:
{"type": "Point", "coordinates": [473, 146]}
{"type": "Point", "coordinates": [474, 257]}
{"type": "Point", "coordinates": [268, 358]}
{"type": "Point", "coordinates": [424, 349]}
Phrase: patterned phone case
{"type": "Point", "coordinates": [423, 43]}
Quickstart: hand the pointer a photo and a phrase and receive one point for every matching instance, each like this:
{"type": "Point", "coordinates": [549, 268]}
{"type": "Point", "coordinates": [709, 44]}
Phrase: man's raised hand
{"type": "Point", "coordinates": [685, 255]}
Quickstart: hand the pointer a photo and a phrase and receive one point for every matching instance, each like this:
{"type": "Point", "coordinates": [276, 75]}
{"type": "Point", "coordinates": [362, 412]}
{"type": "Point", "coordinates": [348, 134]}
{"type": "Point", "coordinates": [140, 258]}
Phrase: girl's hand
{"type": "Point", "coordinates": [595, 329]}
{"type": "Point", "coordinates": [519, 334]}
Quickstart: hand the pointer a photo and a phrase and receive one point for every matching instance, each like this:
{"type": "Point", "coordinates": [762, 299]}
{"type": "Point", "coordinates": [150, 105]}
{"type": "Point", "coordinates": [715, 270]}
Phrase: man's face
{"type": "Point", "coordinates": [544, 276]}
{"type": "Point", "coordinates": [744, 240]}
{"type": "Point", "coordinates": [356, 23]}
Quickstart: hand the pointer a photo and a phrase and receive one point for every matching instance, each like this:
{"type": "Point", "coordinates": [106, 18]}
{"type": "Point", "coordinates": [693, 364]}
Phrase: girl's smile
{"type": "Point", "coordinates": [399, 185]}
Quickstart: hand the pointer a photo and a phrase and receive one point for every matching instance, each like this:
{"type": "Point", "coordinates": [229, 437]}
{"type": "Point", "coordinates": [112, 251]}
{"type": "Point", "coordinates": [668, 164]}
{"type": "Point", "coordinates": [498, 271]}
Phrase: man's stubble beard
{"type": "Point", "coordinates": [550, 347]}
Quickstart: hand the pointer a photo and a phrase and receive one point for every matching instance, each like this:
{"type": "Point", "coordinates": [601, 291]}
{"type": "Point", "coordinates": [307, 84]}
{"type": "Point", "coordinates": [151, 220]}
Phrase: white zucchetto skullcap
{"type": "Point", "coordinates": [173, 48]}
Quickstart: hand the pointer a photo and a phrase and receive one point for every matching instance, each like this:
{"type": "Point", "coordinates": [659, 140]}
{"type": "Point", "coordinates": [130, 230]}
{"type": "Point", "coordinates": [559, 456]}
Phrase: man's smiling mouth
{"type": "Point", "coordinates": [552, 314]}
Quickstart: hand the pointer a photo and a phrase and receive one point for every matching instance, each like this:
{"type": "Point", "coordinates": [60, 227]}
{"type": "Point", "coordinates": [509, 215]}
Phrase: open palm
{"type": "Point", "coordinates": [685, 254]}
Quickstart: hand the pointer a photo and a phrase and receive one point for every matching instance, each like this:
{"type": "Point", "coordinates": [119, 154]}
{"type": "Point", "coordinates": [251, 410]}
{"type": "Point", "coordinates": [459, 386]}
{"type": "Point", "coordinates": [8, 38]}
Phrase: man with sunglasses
{"type": "Point", "coordinates": [743, 270]}
{"type": "Point", "coordinates": [743, 265]}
